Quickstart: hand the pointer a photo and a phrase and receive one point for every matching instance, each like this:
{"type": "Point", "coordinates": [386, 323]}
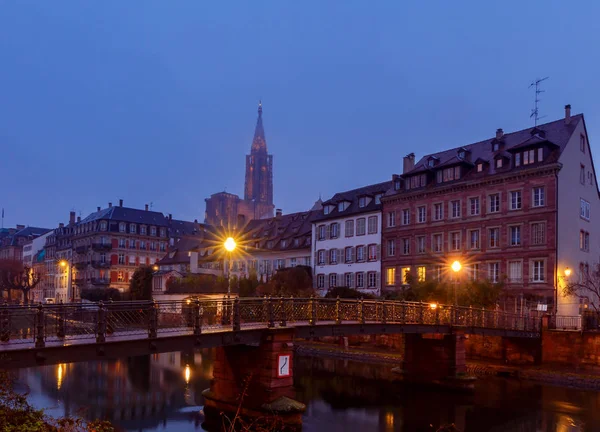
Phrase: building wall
{"type": "Point", "coordinates": [266, 264]}
{"type": "Point", "coordinates": [570, 193]}
{"type": "Point", "coordinates": [352, 267]}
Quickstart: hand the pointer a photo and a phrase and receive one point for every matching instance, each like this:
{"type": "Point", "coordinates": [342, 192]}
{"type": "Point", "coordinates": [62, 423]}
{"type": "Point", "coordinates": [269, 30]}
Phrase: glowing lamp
{"type": "Point", "coordinates": [456, 266]}
{"type": "Point", "coordinates": [230, 244]}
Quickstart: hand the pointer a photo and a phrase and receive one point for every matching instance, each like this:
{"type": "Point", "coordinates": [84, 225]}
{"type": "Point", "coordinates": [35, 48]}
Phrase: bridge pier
{"type": "Point", "coordinates": [256, 382]}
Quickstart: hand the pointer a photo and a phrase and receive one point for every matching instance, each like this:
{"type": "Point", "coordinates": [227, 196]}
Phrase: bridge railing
{"type": "Point", "coordinates": [44, 323]}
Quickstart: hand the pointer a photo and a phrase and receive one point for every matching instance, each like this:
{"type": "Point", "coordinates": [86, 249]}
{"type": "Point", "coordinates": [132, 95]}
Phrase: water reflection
{"type": "Point", "coordinates": [163, 392]}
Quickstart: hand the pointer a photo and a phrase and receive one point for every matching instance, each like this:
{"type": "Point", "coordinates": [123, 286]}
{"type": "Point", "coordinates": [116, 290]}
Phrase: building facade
{"type": "Point", "coordinates": [229, 210]}
{"type": "Point", "coordinates": [12, 240]}
{"type": "Point", "coordinates": [346, 240]}
{"type": "Point", "coordinates": [494, 207]}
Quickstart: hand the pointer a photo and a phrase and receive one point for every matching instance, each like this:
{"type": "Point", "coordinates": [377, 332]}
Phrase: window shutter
{"type": "Point", "coordinates": [378, 252]}
{"type": "Point", "coordinates": [341, 256]}
{"type": "Point", "coordinates": [378, 280]}
{"type": "Point", "coordinates": [137, 261]}
{"type": "Point", "coordinates": [137, 244]}
{"type": "Point", "coordinates": [327, 232]}
{"type": "Point", "coordinates": [316, 259]}
{"type": "Point", "coordinates": [352, 254]}
{"type": "Point", "coordinates": [147, 260]}
{"type": "Point", "coordinates": [351, 280]}
{"type": "Point", "coordinates": [113, 276]}
{"type": "Point", "coordinates": [340, 280]}
{"type": "Point", "coordinates": [126, 277]}
{"type": "Point", "coordinates": [326, 284]}
{"type": "Point", "coordinates": [113, 258]}
{"type": "Point", "coordinates": [127, 260]}
{"type": "Point", "coordinates": [115, 243]}
{"type": "Point", "coordinates": [327, 260]}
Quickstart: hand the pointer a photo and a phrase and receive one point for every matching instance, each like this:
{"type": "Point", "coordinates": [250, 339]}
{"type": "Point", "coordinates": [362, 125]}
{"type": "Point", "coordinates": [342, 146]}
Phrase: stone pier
{"type": "Point", "coordinates": [256, 382]}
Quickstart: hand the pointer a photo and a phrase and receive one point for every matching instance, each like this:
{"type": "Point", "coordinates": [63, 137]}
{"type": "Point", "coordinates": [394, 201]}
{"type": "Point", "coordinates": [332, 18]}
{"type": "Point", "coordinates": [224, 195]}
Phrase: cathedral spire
{"type": "Point", "coordinates": [259, 144]}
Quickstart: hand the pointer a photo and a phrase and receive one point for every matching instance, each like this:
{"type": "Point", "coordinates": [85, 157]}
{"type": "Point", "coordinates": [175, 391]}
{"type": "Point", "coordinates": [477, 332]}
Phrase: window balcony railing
{"type": "Point", "coordinates": [100, 281]}
{"type": "Point", "coordinates": [80, 265]}
{"type": "Point", "coordinates": [100, 264]}
{"type": "Point", "coordinates": [101, 247]}
{"type": "Point", "coordinates": [81, 249]}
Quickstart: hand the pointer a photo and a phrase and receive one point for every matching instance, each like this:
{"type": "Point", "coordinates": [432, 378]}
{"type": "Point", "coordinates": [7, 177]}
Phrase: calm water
{"type": "Point", "coordinates": [340, 395]}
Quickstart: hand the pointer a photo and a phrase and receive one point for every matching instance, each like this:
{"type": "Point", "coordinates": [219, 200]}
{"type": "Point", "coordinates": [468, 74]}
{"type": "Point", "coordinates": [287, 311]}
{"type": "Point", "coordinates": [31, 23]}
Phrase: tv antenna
{"type": "Point", "coordinates": [535, 113]}
{"type": "Point", "coordinates": [151, 205]}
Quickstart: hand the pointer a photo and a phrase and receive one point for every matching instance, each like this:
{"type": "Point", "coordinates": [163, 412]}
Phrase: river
{"type": "Point", "coordinates": [162, 392]}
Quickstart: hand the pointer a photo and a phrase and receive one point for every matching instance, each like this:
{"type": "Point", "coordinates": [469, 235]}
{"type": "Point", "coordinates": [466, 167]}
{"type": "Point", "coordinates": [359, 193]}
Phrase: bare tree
{"type": "Point", "coordinates": [15, 276]}
{"type": "Point", "coordinates": [586, 287]}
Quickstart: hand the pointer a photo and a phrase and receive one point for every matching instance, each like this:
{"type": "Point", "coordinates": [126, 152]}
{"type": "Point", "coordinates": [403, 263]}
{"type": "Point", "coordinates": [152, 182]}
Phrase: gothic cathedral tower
{"type": "Point", "coordinates": [259, 173]}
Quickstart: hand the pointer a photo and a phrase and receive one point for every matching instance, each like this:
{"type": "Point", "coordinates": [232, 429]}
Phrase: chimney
{"type": "Point", "coordinates": [170, 216]}
{"type": "Point", "coordinates": [71, 218]}
{"type": "Point", "coordinates": [120, 203]}
{"type": "Point", "coordinates": [278, 212]}
{"type": "Point", "coordinates": [499, 134]}
{"type": "Point", "coordinates": [109, 205]}
{"type": "Point", "coordinates": [78, 218]}
{"type": "Point", "coordinates": [195, 221]}
{"type": "Point", "coordinates": [146, 206]}
{"type": "Point", "coordinates": [409, 163]}
{"type": "Point", "coordinates": [568, 114]}
{"type": "Point", "coordinates": [61, 225]}
{"type": "Point", "coordinates": [395, 177]}
{"type": "Point", "coordinates": [98, 208]}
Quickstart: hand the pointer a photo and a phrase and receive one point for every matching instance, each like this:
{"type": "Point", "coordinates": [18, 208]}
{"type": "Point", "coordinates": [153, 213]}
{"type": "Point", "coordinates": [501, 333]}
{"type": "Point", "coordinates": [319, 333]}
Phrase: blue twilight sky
{"type": "Point", "coordinates": [155, 101]}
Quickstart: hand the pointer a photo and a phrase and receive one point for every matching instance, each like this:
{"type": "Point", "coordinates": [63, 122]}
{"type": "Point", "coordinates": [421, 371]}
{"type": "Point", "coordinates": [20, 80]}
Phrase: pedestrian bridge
{"type": "Point", "coordinates": [49, 334]}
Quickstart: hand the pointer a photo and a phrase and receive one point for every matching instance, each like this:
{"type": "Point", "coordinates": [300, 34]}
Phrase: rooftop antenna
{"type": "Point", "coordinates": [535, 113]}
{"type": "Point", "coordinates": [151, 205]}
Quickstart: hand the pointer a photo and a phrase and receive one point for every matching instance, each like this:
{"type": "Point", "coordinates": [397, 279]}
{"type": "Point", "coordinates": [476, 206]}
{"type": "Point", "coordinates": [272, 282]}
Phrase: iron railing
{"type": "Point", "coordinates": [42, 324]}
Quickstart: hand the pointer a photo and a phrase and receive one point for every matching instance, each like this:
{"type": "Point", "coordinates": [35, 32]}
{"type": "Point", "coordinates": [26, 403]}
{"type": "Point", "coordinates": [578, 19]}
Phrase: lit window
{"type": "Point", "coordinates": [479, 167]}
{"type": "Point", "coordinates": [421, 274]}
{"type": "Point", "coordinates": [405, 275]}
{"type": "Point", "coordinates": [390, 276]}
{"type": "Point", "coordinates": [499, 163]}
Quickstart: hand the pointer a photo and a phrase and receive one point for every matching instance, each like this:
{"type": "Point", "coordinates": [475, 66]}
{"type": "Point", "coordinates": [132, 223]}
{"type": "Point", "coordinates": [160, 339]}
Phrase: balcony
{"type": "Point", "coordinates": [81, 249]}
{"type": "Point", "coordinates": [100, 281]}
{"type": "Point", "coordinates": [101, 247]}
{"type": "Point", "coordinates": [80, 265]}
{"type": "Point", "coordinates": [100, 264]}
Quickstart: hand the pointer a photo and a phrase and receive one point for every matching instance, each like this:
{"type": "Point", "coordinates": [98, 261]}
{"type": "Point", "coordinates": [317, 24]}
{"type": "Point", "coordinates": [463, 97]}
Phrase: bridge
{"type": "Point", "coordinates": [254, 338]}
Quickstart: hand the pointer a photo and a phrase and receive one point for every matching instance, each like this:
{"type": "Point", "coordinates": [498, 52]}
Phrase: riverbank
{"type": "Point", "coordinates": [557, 376]}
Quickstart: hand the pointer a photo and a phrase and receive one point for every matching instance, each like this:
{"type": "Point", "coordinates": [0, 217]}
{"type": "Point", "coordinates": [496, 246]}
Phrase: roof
{"type": "Point", "coordinates": [259, 144]}
{"type": "Point", "coordinates": [127, 214]}
{"type": "Point", "coordinates": [181, 228]}
{"type": "Point", "coordinates": [28, 232]}
{"type": "Point", "coordinates": [556, 132]}
{"type": "Point", "coordinates": [353, 196]}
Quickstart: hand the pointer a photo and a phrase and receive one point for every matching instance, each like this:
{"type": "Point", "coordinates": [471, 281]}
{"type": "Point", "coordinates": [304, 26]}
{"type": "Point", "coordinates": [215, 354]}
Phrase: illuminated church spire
{"type": "Point", "coordinates": [259, 144]}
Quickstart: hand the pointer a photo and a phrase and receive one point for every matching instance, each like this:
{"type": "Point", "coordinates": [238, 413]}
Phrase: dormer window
{"type": "Point", "coordinates": [362, 201]}
{"type": "Point", "coordinates": [343, 206]}
{"type": "Point", "coordinates": [283, 243]}
{"type": "Point", "coordinates": [378, 199]}
{"type": "Point", "coordinates": [416, 181]}
{"type": "Point", "coordinates": [430, 163]}
{"type": "Point", "coordinates": [121, 227]}
{"type": "Point", "coordinates": [132, 228]}
{"type": "Point", "coordinates": [461, 154]}
{"type": "Point", "coordinates": [495, 146]}
{"type": "Point", "coordinates": [296, 242]}
{"type": "Point", "coordinates": [397, 185]}
{"type": "Point", "coordinates": [499, 163]}
{"type": "Point", "coordinates": [270, 244]}
{"type": "Point", "coordinates": [327, 209]}
{"type": "Point", "coordinates": [479, 167]}
{"type": "Point", "coordinates": [103, 226]}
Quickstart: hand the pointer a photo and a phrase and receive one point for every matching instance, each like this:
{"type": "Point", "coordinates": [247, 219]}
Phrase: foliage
{"type": "Point", "coordinates": [586, 287]}
{"type": "Point", "coordinates": [197, 283]}
{"type": "Point", "coordinates": [293, 281]}
{"type": "Point", "coordinates": [347, 293]}
{"type": "Point", "coordinates": [15, 276]}
{"type": "Point", "coordinates": [16, 415]}
{"type": "Point", "coordinates": [140, 285]}
{"type": "Point", "coordinates": [101, 294]}
{"type": "Point", "coordinates": [480, 293]}
{"type": "Point", "coordinates": [249, 285]}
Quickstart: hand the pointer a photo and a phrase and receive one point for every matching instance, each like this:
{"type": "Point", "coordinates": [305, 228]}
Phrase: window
{"type": "Point", "coordinates": [343, 206]}
{"type": "Point", "coordinates": [479, 167]}
{"type": "Point", "coordinates": [143, 230]}
{"type": "Point", "coordinates": [405, 275]}
{"type": "Point", "coordinates": [495, 146]}
{"type": "Point", "coordinates": [334, 230]}
{"type": "Point", "coordinates": [320, 281]}
{"type": "Point", "coordinates": [332, 280]}
{"type": "Point", "coordinates": [391, 248]}
{"type": "Point", "coordinates": [494, 237]}
{"type": "Point", "coordinates": [372, 252]}
{"type": "Point", "coordinates": [438, 211]}
{"type": "Point", "coordinates": [360, 253]}
{"type": "Point", "coordinates": [360, 226]}
{"type": "Point", "coordinates": [538, 271]}
{"type": "Point", "coordinates": [474, 239]}
{"type": "Point", "coordinates": [349, 230]}
{"type": "Point", "coordinates": [348, 280]}
{"type": "Point", "coordinates": [538, 233]}
{"type": "Point", "coordinates": [405, 216]}
{"type": "Point", "coordinates": [515, 200]}
{"type": "Point", "coordinates": [372, 280]}
{"type": "Point", "coordinates": [538, 197]}
{"type": "Point", "coordinates": [416, 181]}
{"type": "Point", "coordinates": [378, 199]}
{"type": "Point", "coordinates": [461, 154]}
{"type": "Point", "coordinates": [153, 231]}
{"type": "Point", "coordinates": [438, 243]}
{"type": "Point", "coordinates": [163, 232]}
{"type": "Point", "coordinates": [499, 163]}
{"type": "Point", "coordinates": [582, 143]}
{"type": "Point", "coordinates": [322, 232]}
{"type": "Point", "coordinates": [422, 212]}
{"type": "Point", "coordinates": [321, 257]}
{"type": "Point", "coordinates": [362, 201]}
{"type": "Point", "coordinates": [391, 219]}
{"type": "Point", "coordinates": [122, 243]}
{"type": "Point", "coordinates": [397, 185]}
{"type": "Point", "coordinates": [474, 271]}
{"type": "Point", "coordinates": [474, 206]}
{"type": "Point", "coordinates": [448, 174]}
{"type": "Point", "coordinates": [390, 276]}
{"type": "Point", "coordinates": [406, 246]}
{"type": "Point", "coordinates": [103, 226]}
{"type": "Point", "coordinates": [143, 245]}
{"type": "Point", "coordinates": [455, 240]}
{"type": "Point", "coordinates": [517, 159]}
{"type": "Point", "coordinates": [162, 246]}
{"type": "Point", "coordinates": [515, 271]}
{"type": "Point", "coordinates": [421, 273]}
{"type": "Point", "coordinates": [333, 256]}
{"type": "Point", "coordinates": [349, 254]}
{"type": "Point", "coordinates": [360, 280]}
{"type": "Point", "coordinates": [493, 272]}
{"type": "Point", "coordinates": [582, 174]}
{"type": "Point", "coordinates": [132, 228]}
{"type": "Point", "coordinates": [121, 227]}
{"type": "Point", "coordinates": [102, 258]}
{"type": "Point", "coordinates": [494, 203]}
{"type": "Point", "coordinates": [528, 157]}
{"type": "Point", "coordinates": [584, 241]}
{"type": "Point", "coordinates": [584, 210]}
{"type": "Point", "coordinates": [283, 243]}
{"type": "Point", "coordinates": [455, 208]}
{"type": "Point", "coordinates": [372, 224]}
{"type": "Point", "coordinates": [431, 162]}
{"type": "Point", "coordinates": [515, 235]}
{"type": "Point", "coordinates": [421, 244]}
{"type": "Point", "coordinates": [131, 244]}
{"type": "Point", "coordinates": [121, 258]}
{"type": "Point", "coordinates": [120, 277]}
{"type": "Point", "coordinates": [540, 153]}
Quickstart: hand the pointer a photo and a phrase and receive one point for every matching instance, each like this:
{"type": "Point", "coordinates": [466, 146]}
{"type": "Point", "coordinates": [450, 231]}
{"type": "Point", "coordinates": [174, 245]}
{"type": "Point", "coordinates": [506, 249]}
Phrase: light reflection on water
{"type": "Point", "coordinates": [163, 392]}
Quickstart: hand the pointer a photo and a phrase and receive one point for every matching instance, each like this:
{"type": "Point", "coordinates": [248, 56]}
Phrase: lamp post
{"type": "Point", "coordinates": [229, 247]}
{"type": "Point", "coordinates": [456, 266]}
{"type": "Point", "coordinates": [66, 263]}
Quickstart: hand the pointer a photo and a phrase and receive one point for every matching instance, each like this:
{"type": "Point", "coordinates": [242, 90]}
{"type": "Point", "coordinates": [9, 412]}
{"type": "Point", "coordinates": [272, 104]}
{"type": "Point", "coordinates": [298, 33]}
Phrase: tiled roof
{"type": "Point", "coordinates": [353, 196]}
{"type": "Point", "coordinates": [28, 232]}
{"type": "Point", "coordinates": [180, 228]}
{"type": "Point", "coordinates": [127, 214]}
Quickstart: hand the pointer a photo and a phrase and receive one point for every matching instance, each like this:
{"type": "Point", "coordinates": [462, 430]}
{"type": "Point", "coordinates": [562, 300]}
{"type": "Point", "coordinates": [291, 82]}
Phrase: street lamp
{"type": "Point", "coordinates": [567, 272]}
{"type": "Point", "coordinates": [67, 264]}
{"type": "Point", "coordinates": [229, 247]}
{"type": "Point", "coordinates": [456, 266]}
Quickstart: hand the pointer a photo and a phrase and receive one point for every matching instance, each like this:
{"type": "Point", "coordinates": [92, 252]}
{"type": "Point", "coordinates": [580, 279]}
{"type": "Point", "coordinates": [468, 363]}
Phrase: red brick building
{"type": "Point", "coordinates": [493, 206]}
